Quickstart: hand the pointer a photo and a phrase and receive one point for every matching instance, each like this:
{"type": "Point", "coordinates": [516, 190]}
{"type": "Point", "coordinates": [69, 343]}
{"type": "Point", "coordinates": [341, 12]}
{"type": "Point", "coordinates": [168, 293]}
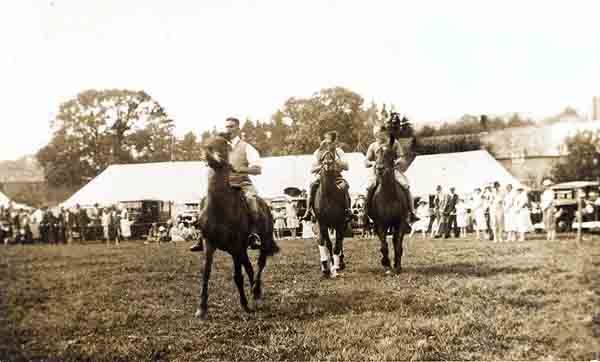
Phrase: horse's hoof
{"type": "Point", "coordinates": [247, 310]}
{"type": "Point", "coordinates": [258, 303]}
{"type": "Point", "coordinates": [201, 314]}
{"type": "Point", "coordinates": [342, 266]}
{"type": "Point", "coordinates": [387, 270]}
{"type": "Point", "coordinates": [398, 270]}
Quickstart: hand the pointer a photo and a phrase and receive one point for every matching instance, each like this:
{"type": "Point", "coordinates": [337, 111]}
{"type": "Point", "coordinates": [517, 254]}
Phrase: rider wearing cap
{"type": "Point", "coordinates": [382, 139]}
{"type": "Point", "coordinates": [329, 142]}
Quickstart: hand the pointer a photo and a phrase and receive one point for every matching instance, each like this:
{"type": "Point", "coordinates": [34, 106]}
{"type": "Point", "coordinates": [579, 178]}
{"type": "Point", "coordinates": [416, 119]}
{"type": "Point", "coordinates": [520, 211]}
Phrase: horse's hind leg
{"type": "Point", "coordinates": [202, 312]}
{"type": "Point", "coordinates": [238, 277]}
{"type": "Point", "coordinates": [249, 269]}
{"type": "Point", "coordinates": [398, 249]}
{"type": "Point", "coordinates": [257, 288]}
{"type": "Point", "coordinates": [385, 259]}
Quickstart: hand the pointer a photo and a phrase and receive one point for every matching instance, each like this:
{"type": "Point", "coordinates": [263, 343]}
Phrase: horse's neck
{"type": "Point", "coordinates": [328, 184]}
{"type": "Point", "coordinates": [389, 186]}
{"type": "Point", "coordinates": [219, 189]}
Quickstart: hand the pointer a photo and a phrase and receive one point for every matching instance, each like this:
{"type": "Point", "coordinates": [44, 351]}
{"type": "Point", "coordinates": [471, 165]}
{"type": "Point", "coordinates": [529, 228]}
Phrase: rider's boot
{"type": "Point", "coordinates": [310, 201]}
{"type": "Point", "coordinates": [412, 217]}
{"type": "Point", "coordinates": [370, 191]}
{"type": "Point", "coordinates": [348, 211]}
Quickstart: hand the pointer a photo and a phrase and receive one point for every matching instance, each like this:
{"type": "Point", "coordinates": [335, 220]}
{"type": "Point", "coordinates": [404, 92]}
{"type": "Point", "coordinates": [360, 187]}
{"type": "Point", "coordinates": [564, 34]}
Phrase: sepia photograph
{"type": "Point", "coordinates": [334, 180]}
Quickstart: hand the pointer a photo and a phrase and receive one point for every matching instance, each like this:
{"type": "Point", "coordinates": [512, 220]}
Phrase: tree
{"type": "Point", "coordinates": [188, 148]}
{"type": "Point", "coordinates": [98, 128]}
{"type": "Point", "coordinates": [583, 159]}
{"type": "Point", "coordinates": [331, 109]}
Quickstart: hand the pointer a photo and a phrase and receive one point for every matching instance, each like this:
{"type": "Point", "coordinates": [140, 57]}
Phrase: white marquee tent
{"type": "Point", "coordinates": [178, 182]}
{"type": "Point", "coordinates": [463, 170]}
{"type": "Point", "coordinates": [4, 200]}
{"type": "Point", "coordinates": [185, 182]}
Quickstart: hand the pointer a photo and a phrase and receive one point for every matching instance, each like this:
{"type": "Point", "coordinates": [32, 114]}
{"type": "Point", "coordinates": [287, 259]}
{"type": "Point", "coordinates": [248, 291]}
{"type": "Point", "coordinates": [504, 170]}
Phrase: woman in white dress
{"type": "Point", "coordinates": [478, 208]}
{"type": "Point", "coordinates": [125, 224]}
{"type": "Point", "coordinates": [522, 215]}
{"type": "Point", "coordinates": [461, 217]}
{"type": "Point", "coordinates": [279, 216]}
{"type": "Point", "coordinates": [423, 213]}
{"type": "Point", "coordinates": [292, 218]}
{"type": "Point", "coordinates": [547, 205]}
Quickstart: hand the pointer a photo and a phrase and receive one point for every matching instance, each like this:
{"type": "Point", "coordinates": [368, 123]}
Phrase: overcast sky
{"type": "Point", "coordinates": [206, 60]}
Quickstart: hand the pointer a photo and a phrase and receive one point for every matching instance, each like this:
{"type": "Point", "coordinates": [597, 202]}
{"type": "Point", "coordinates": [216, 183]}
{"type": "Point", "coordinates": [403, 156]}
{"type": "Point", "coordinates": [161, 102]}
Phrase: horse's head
{"type": "Point", "coordinates": [215, 151]}
{"type": "Point", "coordinates": [385, 161]}
{"type": "Point", "coordinates": [327, 159]}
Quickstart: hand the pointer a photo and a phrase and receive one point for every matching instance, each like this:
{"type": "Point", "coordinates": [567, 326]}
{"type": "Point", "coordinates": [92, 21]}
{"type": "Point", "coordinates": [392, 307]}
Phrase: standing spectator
{"type": "Point", "coordinates": [487, 206]}
{"type": "Point", "coordinates": [521, 214]}
{"type": "Point", "coordinates": [509, 214]}
{"type": "Point", "coordinates": [292, 218]}
{"type": "Point", "coordinates": [451, 214]}
{"type": "Point", "coordinates": [80, 222]}
{"type": "Point", "coordinates": [115, 225]}
{"type": "Point", "coordinates": [61, 226]}
{"type": "Point", "coordinates": [279, 227]}
{"type": "Point", "coordinates": [497, 213]}
{"type": "Point", "coordinates": [45, 225]}
{"type": "Point", "coordinates": [548, 210]}
{"type": "Point", "coordinates": [461, 217]}
{"type": "Point", "coordinates": [125, 224]}
{"type": "Point", "coordinates": [478, 209]}
{"type": "Point", "coordinates": [441, 202]}
{"type": "Point", "coordinates": [105, 221]}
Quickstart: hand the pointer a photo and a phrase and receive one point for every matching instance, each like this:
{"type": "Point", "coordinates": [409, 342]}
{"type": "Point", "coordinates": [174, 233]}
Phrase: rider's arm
{"type": "Point", "coordinates": [400, 156]}
{"type": "Point", "coordinates": [342, 159]}
{"type": "Point", "coordinates": [316, 166]}
{"type": "Point", "coordinates": [370, 158]}
{"type": "Point", "coordinates": [254, 167]}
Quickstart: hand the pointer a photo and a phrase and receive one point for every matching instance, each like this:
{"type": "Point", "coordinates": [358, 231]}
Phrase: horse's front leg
{"type": "Point", "coordinates": [238, 277]}
{"type": "Point", "coordinates": [338, 251]}
{"type": "Point", "coordinates": [202, 312]}
{"type": "Point", "coordinates": [385, 259]}
{"type": "Point", "coordinates": [324, 252]}
{"type": "Point", "coordinates": [398, 249]}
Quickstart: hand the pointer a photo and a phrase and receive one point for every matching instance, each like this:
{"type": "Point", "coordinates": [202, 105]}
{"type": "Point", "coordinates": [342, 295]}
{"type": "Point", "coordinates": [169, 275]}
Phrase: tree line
{"type": "Point", "coordinates": [98, 128]}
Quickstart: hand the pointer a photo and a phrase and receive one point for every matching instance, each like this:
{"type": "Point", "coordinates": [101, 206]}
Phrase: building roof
{"type": "Point", "coordinates": [185, 181]}
{"type": "Point", "coordinates": [463, 170]}
{"type": "Point", "coordinates": [535, 141]}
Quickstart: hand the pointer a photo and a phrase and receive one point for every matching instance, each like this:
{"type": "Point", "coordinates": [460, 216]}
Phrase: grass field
{"type": "Point", "coordinates": [455, 300]}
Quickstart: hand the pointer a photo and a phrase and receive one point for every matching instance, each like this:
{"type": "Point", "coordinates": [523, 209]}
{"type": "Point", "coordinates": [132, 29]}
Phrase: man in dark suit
{"type": "Point", "coordinates": [450, 213]}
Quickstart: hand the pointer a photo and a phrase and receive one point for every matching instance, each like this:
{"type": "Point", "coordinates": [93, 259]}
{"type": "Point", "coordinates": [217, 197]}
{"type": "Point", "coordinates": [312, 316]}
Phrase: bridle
{"type": "Point", "coordinates": [327, 161]}
{"type": "Point", "coordinates": [384, 162]}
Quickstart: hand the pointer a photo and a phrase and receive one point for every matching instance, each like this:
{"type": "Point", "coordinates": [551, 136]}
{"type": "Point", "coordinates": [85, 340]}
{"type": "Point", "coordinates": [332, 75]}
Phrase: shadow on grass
{"type": "Point", "coordinates": [467, 270]}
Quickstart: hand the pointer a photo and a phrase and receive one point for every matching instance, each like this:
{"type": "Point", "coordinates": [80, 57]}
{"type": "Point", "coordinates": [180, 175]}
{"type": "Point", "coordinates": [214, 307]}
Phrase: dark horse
{"type": "Point", "coordinates": [329, 207]}
{"type": "Point", "coordinates": [224, 221]}
{"type": "Point", "coordinates": [389, 208]}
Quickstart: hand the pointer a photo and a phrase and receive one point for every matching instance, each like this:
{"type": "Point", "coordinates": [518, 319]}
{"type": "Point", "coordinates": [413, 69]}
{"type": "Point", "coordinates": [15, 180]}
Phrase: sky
{"type": "Point", "coordinates": [206, 60]}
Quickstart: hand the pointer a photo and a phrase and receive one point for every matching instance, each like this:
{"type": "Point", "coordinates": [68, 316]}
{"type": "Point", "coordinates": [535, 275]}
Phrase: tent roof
{"type": "Point", "coordinates": [183, 182]}
{"type": "Point", "coordinates": [294, 171]}
{"type": "Point", "coordinates": [463, 170]}
{"type": "Point", "coordinates": [179, 182]}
